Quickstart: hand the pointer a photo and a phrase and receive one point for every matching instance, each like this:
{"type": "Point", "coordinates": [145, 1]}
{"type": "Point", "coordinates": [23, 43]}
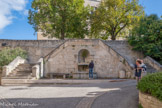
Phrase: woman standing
{"type": "Point", "coordinates": [138, 70]}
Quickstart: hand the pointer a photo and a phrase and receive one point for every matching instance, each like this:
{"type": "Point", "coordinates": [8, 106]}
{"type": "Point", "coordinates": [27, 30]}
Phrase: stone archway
{"type": "Point", "coordinates": [83, 60]}
{"type": "Point", "coordinates": [83, 56]}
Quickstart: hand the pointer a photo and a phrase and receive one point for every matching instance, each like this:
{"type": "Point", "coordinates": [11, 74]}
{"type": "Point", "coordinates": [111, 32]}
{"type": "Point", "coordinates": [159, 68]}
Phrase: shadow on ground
{"type": "Point", "coordinates": [108, 84]}
{"type": "Point", "coordinates": [43, 102]}
{"type": "Point", "coordinates": [126, 97]}
{"type": "Point", "coordinates": [109, 95]}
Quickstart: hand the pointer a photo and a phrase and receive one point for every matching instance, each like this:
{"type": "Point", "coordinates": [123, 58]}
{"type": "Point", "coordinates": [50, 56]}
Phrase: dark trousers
{"type": "Point", "coordinates": [90, 72]}
{"type": "Point", "coordinates": [138, 74]}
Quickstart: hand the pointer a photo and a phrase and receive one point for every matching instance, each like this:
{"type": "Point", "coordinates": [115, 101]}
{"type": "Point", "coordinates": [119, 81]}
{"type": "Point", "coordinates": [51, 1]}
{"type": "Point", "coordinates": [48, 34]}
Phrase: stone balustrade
{"type": "Point", "coordinates": [9, 68]}
{"type": "Point", "coordinates": [153, 63]}
{"type": "Point", "coordinates": [148, 101]}
{"type": "Point", "coordinates": [37, 69]}
{"type": "Point", "coordinates": [0, 75]}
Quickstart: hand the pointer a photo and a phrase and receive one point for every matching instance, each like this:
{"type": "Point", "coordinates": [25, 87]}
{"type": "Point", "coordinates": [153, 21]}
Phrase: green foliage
{"type": "Point", "coordinates": [113, 16]}
{"type": "Point", "coordinates": [140, 106]}
{"type": "Point", "coordinates": [7, 55]}
{"type": "Point", "coordinates": [60, 18]}
{"type": "Point", "coordinates": [147, 37]}
{"type": "Point", "coordinates": [152, 84]}
{"type": "Point", "coordinates": [85, 53]}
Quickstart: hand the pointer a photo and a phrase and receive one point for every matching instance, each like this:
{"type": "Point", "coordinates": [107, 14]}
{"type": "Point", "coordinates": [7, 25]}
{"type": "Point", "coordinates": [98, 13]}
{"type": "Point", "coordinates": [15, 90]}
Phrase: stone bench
{"type": "Point", "coordinates": [59, 75]}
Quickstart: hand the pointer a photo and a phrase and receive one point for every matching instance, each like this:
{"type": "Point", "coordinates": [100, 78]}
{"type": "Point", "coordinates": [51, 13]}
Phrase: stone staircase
{"type": "Point", "coordinates": [150, 69]}
{"type": "Point", "coordinates": [22, 71]}
{"type": "Point", "coordinates": [125, 50]}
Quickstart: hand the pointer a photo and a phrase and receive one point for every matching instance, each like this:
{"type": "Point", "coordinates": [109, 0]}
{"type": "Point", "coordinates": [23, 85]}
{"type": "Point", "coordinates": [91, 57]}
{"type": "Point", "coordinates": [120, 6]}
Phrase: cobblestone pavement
{"type": "Point", "coordinates": [110, 94]}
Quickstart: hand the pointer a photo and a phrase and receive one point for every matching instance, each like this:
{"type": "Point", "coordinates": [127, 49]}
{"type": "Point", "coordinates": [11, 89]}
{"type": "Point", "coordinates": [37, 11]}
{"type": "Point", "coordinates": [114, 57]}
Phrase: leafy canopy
{"type": "Point", "coordinates": [59, 18]}
{"type": "Point", "coordinates": [112, 16]}
{"type": "Point", "coordinates": [147, 37]}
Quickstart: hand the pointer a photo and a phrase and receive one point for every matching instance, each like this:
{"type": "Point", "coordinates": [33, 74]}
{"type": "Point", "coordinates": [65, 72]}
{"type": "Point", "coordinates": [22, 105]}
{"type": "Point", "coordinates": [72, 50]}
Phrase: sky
{"type": "Point", "coordinates": [14, 17]}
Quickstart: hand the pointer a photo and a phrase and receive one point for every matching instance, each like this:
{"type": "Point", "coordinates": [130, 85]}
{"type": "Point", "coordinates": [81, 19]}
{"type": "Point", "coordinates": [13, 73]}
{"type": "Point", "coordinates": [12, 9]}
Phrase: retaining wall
{"type": "Point", "coordinates": [35, 48]}
{"type": "Point", "coordinates": [148, 101]}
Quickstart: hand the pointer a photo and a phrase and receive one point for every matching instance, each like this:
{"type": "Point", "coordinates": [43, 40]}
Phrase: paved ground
{"type": "Point", "coordinates": [106, 94]}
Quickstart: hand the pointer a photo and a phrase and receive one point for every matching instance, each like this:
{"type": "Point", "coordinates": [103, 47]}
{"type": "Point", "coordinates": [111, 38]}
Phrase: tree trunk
{"type": "Point", "coordinates": [62, 34]}
{"type": "Point", "coordinates": [63, 27]}
{"type": "Point", "coordinates": [113, 37]}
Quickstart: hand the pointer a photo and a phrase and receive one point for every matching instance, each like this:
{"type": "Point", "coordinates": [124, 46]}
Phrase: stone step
{"type": "Point", "coordinates": [26, 64]}
{"type": "Point", "coordinates": [150, 69]}
{"type": "Point", "coordinates": [17, 70]}
{"type": "Point", "coordinates": [22, 69]}
{"type": "Point", "coordinates": [18, 77]}
{"type": "Point", "coordinates": [26, 71]}
{"type": "Point", "coordinates": [16, 74]}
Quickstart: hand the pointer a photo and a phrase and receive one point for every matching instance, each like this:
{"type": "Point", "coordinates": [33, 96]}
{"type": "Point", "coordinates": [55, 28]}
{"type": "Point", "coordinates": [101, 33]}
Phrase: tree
{"type": "Point", "coordinates": [59, 18]}
{"type": "Point", "coordinates": [147, 37]}
{"type": "Point", "coordinates": [112, 16]}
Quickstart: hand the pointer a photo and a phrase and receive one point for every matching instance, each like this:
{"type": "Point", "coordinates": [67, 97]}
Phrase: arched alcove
{"type": "Point", "coordinates": [83, 60]}
{"type": "Point", "coordinates": [83, 56]}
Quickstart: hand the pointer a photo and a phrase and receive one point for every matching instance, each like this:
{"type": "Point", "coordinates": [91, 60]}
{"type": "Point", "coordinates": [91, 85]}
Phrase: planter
{"type": "Point", "coordinates": [0, 75]}
{"type": "Point", "coordinates": [148, 101]}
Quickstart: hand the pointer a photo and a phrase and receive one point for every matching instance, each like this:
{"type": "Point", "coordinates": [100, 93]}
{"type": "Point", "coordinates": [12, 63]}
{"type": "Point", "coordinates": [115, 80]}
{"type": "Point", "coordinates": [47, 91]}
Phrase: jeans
{"type": "Point", "coordinates": [90, 72]}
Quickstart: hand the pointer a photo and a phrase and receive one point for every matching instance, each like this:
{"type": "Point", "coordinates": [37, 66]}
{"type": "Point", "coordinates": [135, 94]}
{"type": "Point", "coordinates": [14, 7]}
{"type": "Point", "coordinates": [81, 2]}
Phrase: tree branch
{"type": "Point", "coordinates": [121, 29]}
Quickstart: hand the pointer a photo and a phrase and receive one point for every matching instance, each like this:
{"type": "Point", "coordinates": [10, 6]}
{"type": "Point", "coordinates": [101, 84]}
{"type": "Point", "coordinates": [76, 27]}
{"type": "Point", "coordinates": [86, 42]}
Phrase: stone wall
{"type": "Point", "coordinates": [65, 59]}
{"type": "Point", "coordinates": [0, 75]}
{"type": "Point", "coordinates": [93, 3]}
{"type": "Point", "coordinates": [148, 101]}
{"type": "Point", "coordinates": [153, 63]}
{"type": "Point", "coordinates": [41, 37]}
{"type": "Point", "coordinates": [35, 48]}
{"type": "Point", "coordinates": [62, 56]}
{"type": "Point", "coordinates": [124, 49]}
{"type": "Point", "coordinates": [128, 67]}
